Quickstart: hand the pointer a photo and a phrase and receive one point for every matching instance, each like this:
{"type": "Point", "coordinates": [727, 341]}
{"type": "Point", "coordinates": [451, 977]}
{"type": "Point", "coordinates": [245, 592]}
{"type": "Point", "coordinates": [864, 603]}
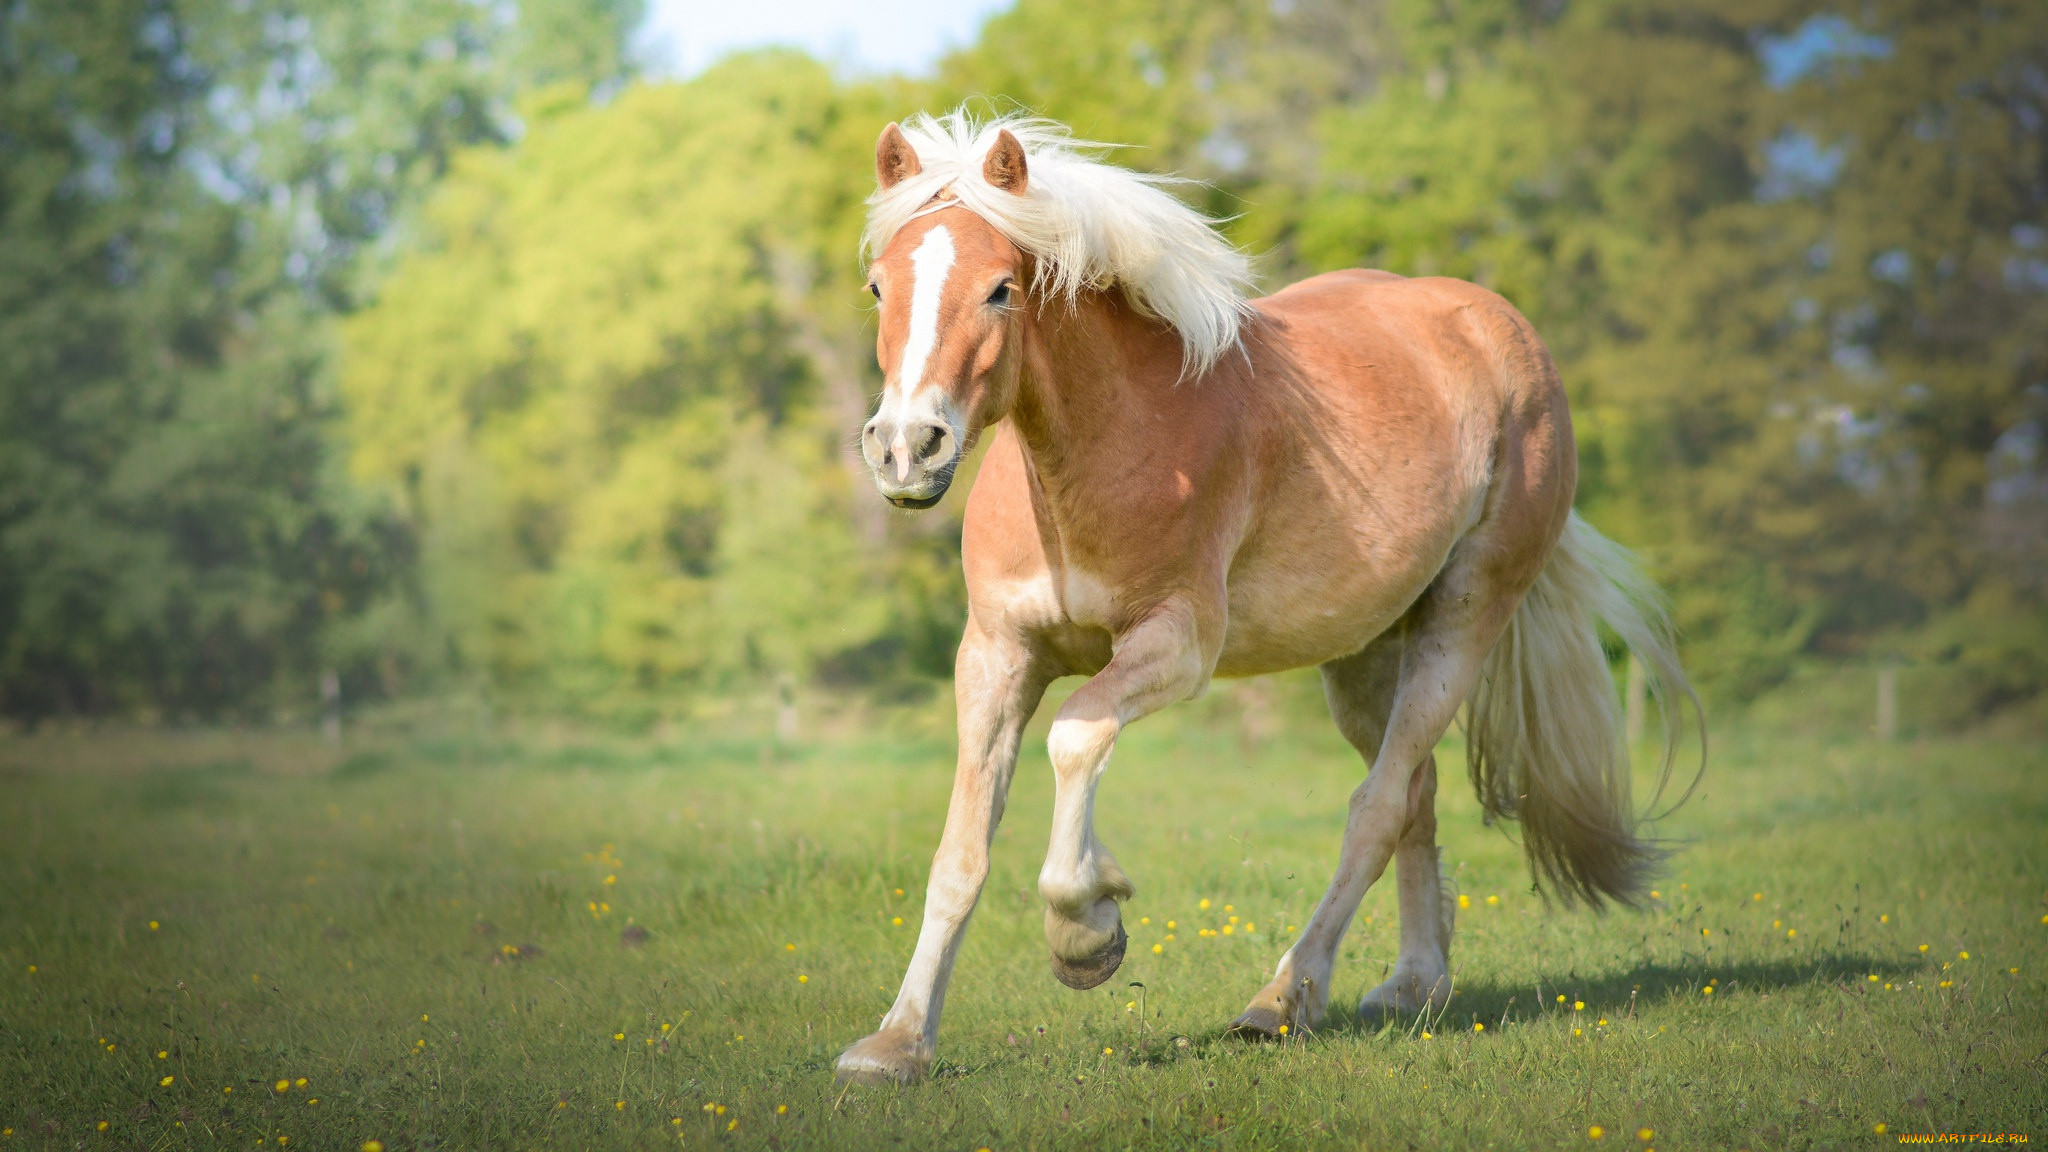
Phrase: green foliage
{"type": "Point", "coordinates": [601, 353]}
{"type": "Point", "coordinates": [185, 191]}
{"type": "Point", "coordinates": [1799, 316]}
{"type": "Point", "coordinates": [586, 392]}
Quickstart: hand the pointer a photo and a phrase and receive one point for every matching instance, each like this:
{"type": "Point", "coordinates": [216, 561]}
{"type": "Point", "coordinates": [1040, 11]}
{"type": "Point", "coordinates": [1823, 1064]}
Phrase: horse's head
{"type": "Point", "coordinates": [951, 290]}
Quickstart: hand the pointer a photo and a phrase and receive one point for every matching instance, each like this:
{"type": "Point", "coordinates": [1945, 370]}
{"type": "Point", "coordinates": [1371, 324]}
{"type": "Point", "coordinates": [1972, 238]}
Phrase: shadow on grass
{"type": "Point", "coordinates": [1621, 995]}
{"type": "Point", "coordinates": [1641, 989]}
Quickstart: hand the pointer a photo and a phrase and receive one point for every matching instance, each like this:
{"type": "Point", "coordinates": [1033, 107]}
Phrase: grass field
{"type": "Point", "coordinates": [528, 940]}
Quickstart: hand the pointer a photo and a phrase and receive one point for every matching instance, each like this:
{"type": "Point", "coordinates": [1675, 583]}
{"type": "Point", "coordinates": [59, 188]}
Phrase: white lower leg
{"type": "Point", "coordinates": [1421, 976]}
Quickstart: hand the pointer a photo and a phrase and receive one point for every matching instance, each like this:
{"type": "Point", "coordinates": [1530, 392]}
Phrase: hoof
{"type": "Point", "coordinates": [1261, 1022]}
{"type": "Point", "coordinates": [881, 1059]}
{"type": "Point", "coordinates": [1405, 995]}
{"type": "Point", "coordinates": [1094, 968]}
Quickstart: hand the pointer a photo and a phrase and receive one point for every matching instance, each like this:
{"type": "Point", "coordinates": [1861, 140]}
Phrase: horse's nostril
{"type": "Point", "coordinates": [934, 440]}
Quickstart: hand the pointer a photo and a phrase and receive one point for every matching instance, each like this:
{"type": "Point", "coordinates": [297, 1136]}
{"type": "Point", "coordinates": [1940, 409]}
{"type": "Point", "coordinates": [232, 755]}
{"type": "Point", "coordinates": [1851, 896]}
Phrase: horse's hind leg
{"type": "Point", "coordinates": [1422, 973]}
{"type": "Point", "coordinates": [1438, 651]}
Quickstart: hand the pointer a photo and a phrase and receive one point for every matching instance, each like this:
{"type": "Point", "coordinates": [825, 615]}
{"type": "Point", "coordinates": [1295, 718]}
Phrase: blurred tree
{"type": "Point", "coordinates": [184, 192]}
{"type": "Point", "coordinates": [603, 393]}
{"type": "Point", "coordinates": [1789, 265]}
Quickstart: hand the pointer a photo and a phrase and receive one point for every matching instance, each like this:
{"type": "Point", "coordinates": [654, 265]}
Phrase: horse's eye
{"type": "Point", "coordinates": [1001, 296]}
{"type": "Point", "coordinates": [875, 288]}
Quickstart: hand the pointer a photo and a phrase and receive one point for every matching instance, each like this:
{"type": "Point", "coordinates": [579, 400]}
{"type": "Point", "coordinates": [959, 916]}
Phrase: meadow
{"type": "Point", "coordinates": [505, 936]}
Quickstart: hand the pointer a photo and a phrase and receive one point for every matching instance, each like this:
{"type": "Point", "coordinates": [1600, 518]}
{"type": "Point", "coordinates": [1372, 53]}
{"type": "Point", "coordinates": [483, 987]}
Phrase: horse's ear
{"type": "Point", "coordinates": [1004, 167]}
{"type": "Point", "coordinates": [895, 160]}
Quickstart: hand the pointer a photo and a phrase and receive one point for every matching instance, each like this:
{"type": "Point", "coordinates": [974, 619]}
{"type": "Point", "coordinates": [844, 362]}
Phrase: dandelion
{"type": "Point", "coordinates": [1233, 919]}
{"type": "Point", "coordinates": [1109, 1051]}
{"type": "Point", "coordinates": [664, 1027]}
{"type": "Point", "coordinates": [1885, 919]}
{"type": "Point", "coordinates": [612, 879]}
{"type": "Point", "coordinates": [152, 928]}
{"type": "Point", "coordinates": [1923, 948]}
{"type": "Point", "coordinates": [1493, 899]}
{"type": "Point", "coordinates": [676, 1120]}
{"type": "Point", "coordinates": [1171, 925]}
{"type": "Point", "coordinates": [1283, 1029]}
{"type": "Point", "coordinates": [1707, 991]}
{"type": "Point", "coordinates": [1203, 905]}
{"type": "Point", "coordinates": [802, 979]}
{"type": "Point", "coordinates": [782, 1109]}
{"type": "Point", "coordinates": [1576, 1031]}
{"type": "Point", "coordinates": [1170, 937]}
{"type": "Point", "coordinates": [423, 1017]}
{"type": "Point", "coordinates": [710, 1107]}
{"type": "Point", "coordinates": [1757, 898]}
{"type": "Point", "coordinates": [1230, 908]}
{"type": "Point", "coordinates": [1595, 1132]}
{"type": "Point", "coordinates": [1878, 1128]}
{"type": "Point", "coordinates": [1603, 1021]}
{"type": "Point", "coordinates": [789, 947]}
{"type": "Point", "coordinates": [1290, 929]}
{"type": "Point", "coordinates": [1159, 949]}
{"type": "Point", "coordinates": [1426, 1036]}
{"type": "Point", "coordinates": [1791, 932]}
{"type": "Point", "coordinates": [314, 1100]}
{"type": "Point", "coordinates": [1464, 901]}
{"type": "Point", "coordinates": [1229, 929]}
{"type": "Point", "coordinates": [373, 1146]}
{"type": "Point", "coordinates": [1656, 895]}
{"type": "Point", "coordinates": [1962, 955]}
{"type": "Point", "coordinates": [618, 1035]}
{"type": "Point", "coordinates": [719, 1110]}
{"type": "Point", "coordinates": [163, 1055]}
{"type": "Point", "coordinates": [897, 921]}
{"type": "Point", "coordinates": [2013, 971]}
{"type": "Point", "coordinates": [1706, 931]}
{"type": "Point", "coordinates": [283, 1086]}
{"type": "Point", "coordinates": [1644, 1134]}
{"type": "Point", "coordinates": [1144, 920]}
{"type": "Point", "coordinates": [899, 891]}
{"type": "Point", "coordinates": [225, 1091]}
{"type": "Point", "coordinates": [1477, 1026]}
{"type": "Point", "coordinates": [1560, 998]}
{"type": "Point", "coordinates": [732, 1124]}
{"type": "Point", "coordinates": [301, 1082]}
{"type": "Point", "coordinates": [1577, 1005]}
{"type": "Point", "coordinates": [619, 1105]}
{"type": "Point", "coordinates": [165, 1082]}
{"type": "Point", "coordinates": [103, 1126]}
{"type": "Point", "coordinates": [1777, 923]}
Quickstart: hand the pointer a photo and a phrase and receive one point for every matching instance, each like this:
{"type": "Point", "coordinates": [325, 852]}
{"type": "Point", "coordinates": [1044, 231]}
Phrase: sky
{"type": "Point", "coordinates": [682, 37]}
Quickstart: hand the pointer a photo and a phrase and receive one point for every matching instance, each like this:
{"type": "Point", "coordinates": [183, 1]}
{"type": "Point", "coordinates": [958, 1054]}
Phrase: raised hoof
{"type": "Point", "coordinates": [1094, 968]}
{"type": "Point", "coordinates": [880, 1059]}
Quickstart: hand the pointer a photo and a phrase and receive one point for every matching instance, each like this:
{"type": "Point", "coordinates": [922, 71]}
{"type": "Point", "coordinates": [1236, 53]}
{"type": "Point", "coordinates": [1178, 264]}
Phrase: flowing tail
{"type": "Point", "coordinates": [1544, 743]}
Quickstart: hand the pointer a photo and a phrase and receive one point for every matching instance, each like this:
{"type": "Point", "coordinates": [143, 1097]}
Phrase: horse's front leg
{"type": "Point", "coordinates": [997, 682]}
{"type": "Point", "coordinates": [1156, 663]}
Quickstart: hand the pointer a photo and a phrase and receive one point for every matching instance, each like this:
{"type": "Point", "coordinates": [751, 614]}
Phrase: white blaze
{"type": "Point", "coordinates": [928, 267]}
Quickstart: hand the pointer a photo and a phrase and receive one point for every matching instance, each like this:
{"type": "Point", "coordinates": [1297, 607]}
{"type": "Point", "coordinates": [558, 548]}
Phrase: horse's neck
{"type": "Point", "coordinates": [1091, 380]}
{"type": "Point", "coordinates": [1097, 384]}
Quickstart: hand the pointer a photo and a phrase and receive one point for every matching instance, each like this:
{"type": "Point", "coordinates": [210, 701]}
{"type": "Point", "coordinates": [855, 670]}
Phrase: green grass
{"type": "Point", "coordinates": [410, 930]}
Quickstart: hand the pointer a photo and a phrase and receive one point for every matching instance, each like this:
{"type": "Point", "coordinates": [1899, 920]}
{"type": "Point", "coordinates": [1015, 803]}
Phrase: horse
{"type": "Point", "coordinates": [1364, 472]}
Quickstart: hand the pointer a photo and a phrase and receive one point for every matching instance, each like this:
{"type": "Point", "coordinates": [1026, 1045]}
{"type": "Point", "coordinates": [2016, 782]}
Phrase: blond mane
{"type": "Point", "coordinates": [1087, 223]}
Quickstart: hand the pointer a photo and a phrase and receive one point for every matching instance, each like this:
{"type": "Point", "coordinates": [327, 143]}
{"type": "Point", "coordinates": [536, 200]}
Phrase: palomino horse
{"type": "Point", "coordinates": [1366, 473]}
